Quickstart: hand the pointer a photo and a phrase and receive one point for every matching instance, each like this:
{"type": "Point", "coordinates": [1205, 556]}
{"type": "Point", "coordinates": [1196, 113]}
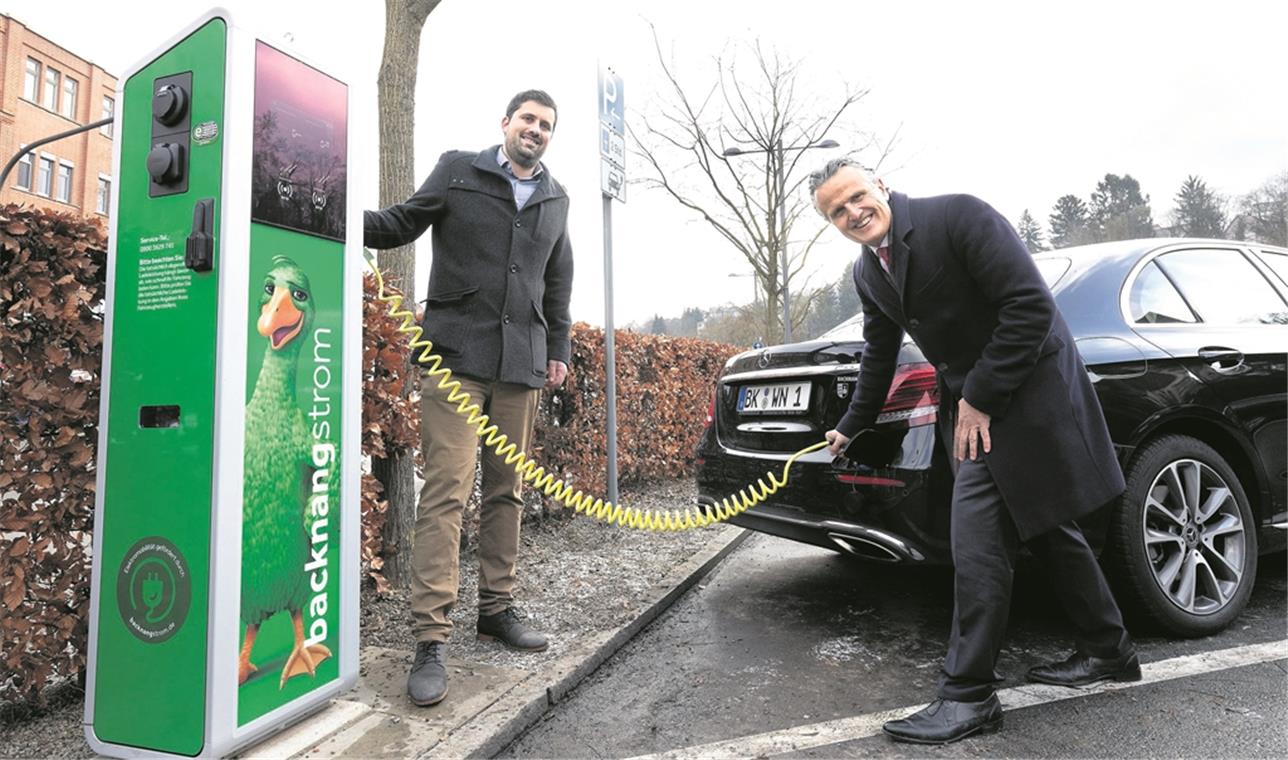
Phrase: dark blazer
{"type": "Point", "coordinates": [501, 279]}
{"type": "Point", "coordinates": [966, 290]}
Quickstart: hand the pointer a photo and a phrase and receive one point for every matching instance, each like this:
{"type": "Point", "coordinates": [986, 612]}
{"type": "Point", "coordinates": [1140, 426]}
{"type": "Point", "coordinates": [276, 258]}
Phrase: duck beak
{"type": "Point", "coordinates": [279, 320]}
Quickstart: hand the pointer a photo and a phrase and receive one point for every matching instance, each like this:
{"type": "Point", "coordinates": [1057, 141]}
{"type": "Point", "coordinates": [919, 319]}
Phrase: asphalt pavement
{"type": "Point", "coordinates": [787, 639]}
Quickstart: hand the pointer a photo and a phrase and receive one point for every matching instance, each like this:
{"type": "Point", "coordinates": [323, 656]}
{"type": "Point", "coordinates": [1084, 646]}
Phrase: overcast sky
{"type": "Point", "coordinates": [1018, 103]}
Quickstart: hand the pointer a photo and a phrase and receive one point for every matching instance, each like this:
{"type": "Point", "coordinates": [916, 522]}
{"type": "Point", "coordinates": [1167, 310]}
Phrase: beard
{"type": "Point", "coordinates": [523, 155]}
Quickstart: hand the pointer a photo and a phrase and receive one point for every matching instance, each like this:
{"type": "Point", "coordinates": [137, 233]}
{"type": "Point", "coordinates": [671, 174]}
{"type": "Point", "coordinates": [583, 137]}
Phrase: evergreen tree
{"type": "Point", "coordinates": [690, 320]}
{"type": "Point", "coordinates": [1119, 211]}
{"type": "Point", "coordinates": [659, 325]}
{"type": "Point", "coordinates": [1069, 222]}
{"type": "Point", "coordinates": [847, 295]}
{"type": "Point", "coordinates": [1198, 210]}
{"type": "Point", "coordinates": [826, 312]}
{"type": "Point", "coordinates": [1031, 233]}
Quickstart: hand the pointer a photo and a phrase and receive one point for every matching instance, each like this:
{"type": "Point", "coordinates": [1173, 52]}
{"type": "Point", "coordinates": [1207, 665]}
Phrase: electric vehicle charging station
{"type": "Point", "coordinates": [225, 578]}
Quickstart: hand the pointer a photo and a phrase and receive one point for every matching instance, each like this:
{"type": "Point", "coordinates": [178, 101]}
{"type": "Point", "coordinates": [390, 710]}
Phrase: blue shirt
{"type": "Point", "coordinates": [523, 187]}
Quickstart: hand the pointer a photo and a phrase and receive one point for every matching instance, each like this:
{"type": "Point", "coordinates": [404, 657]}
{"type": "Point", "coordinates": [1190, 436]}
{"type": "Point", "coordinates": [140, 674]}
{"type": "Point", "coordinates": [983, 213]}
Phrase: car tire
{"type": "Point", "coordinates": [1182, 540]}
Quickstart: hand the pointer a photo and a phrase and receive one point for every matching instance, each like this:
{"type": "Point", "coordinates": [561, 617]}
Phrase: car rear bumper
{"type": "Point", "coordinates": [892, 514]}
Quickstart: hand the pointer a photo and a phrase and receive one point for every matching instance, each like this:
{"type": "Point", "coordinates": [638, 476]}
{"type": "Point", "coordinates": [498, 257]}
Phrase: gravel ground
{"type": "Point", "coordinates": [576, 576]}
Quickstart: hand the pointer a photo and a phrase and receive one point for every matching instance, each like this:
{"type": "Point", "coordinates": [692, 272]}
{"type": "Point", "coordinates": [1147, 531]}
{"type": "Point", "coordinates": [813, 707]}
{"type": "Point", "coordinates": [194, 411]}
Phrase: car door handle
{"type": "Point", "coordinates": [1221, 358]}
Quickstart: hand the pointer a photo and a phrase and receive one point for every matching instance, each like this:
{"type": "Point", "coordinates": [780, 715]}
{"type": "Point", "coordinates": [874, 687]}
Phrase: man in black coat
{"type": "Point", "coordinates": [497, 311]}
{"type": "Point", "coordinates": [1029, 445]}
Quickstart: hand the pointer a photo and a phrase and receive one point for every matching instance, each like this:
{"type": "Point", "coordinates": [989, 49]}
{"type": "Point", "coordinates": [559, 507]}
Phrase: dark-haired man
{"type": "Point", "coordinates": [1022, 425]}
{"type": "Point", "coordinates": [497, 311]}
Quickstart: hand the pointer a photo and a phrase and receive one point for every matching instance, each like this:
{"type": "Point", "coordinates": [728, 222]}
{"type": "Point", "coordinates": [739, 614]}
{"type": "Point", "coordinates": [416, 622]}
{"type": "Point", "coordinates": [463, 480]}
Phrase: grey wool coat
{"type": "Point", "coordinates": [966, 290]}
{"type": "Point", "coordinates": [500, 280]}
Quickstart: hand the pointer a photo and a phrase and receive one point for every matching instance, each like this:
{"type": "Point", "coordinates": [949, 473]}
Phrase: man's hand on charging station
{"type": "Point", "coordinates": [556, 373]}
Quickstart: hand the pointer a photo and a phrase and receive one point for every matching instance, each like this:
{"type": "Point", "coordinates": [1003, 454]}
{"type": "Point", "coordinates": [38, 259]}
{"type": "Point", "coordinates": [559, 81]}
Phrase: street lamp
{"type": "Point", "coordinates": [779, 150]}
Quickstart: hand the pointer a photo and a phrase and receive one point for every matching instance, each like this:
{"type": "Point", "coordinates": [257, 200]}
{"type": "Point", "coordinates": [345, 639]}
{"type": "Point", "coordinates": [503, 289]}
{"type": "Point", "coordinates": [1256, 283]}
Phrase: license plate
{"type": "Point", "coordinates": [784, 398]}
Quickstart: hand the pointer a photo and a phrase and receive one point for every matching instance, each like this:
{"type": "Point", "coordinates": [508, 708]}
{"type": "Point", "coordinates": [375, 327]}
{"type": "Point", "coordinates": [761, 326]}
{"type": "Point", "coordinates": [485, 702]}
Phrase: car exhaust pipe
{"type": "Point", "coordinates": [875, 546]}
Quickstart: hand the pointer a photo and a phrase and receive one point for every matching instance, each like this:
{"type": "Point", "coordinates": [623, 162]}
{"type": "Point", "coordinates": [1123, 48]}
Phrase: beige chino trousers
{"type": "Point", "coordinates": [451, 448]}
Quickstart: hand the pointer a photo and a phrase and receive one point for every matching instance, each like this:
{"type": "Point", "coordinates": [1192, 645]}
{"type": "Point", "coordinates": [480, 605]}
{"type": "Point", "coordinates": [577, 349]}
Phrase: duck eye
{"type": "Point", "coordinates": [299, 295]}
{"type": "Point", "coordinates": [268, 287]}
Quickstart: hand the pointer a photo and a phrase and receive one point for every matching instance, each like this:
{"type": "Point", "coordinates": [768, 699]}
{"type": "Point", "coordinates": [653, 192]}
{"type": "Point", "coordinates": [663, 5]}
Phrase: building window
{"type": "Point", "coordinates": [104, 194]}
{"type": "Point", "coordinates": [64, 182]}
{"type": "Point", "coordinates": [25, 165]}
{"type": "Point", "coordinates": [45, 176]}
{"type": "Point", "coordinates": [70, 87]}
{"type": "Point", "coordinates": [50, 100]}
{"type": "Point", "coordinates": [31, 85]}
{"type": "Point", "coordinates": [109, 111]}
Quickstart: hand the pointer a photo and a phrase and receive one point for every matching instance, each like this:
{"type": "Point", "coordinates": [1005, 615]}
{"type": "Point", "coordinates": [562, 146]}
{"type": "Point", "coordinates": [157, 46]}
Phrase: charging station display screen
{"type": "Point", "coordinates": [298, 176]}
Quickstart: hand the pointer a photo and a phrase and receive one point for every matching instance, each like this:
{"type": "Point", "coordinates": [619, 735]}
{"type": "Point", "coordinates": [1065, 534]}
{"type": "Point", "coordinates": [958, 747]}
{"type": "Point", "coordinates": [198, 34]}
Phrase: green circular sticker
{"type": "Point", "coordinates": [153, 589]}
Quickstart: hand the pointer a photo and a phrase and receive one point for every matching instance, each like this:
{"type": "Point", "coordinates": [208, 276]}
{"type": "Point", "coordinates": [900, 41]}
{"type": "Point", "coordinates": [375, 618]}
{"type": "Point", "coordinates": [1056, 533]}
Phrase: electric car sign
{"type": "Point", "coordinates": [153, 590]}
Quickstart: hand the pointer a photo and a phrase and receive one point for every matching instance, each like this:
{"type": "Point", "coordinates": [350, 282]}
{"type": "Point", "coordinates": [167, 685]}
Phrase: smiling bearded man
{"type": "Point", "coordinates": [499, 287]}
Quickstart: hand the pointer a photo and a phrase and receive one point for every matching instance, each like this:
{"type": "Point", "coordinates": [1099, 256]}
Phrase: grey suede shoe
{"type": "Point", "coordinates": [427, 682]}
{"type": "Point", "coordinates": [506, 628]}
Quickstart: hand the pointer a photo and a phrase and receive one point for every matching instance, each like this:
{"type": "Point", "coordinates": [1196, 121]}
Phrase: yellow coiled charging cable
{"type": "Point", "coordinates": [606, 511]}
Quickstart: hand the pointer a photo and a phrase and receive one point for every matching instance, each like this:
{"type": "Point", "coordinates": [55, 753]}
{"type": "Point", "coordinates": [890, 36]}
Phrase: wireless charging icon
{"type": "Point", "coordinates": [153, 590]}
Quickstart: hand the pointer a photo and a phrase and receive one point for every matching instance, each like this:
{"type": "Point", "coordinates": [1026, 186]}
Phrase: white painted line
{"type": "Point", "coordinates": [308, 732]}
{"type": "Point", "coordinates": [861, 726]}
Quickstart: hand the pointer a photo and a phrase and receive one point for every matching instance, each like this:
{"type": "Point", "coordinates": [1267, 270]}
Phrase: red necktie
{"type": "Point", "coordinates": [883, 253]}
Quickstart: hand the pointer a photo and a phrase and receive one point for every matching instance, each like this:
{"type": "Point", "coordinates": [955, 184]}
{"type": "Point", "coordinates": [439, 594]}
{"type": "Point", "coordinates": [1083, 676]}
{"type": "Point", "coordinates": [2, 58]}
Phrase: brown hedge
{"type": "Point", "coordinates": [51, 331]}
{"type": "Point", "coordinates": [52, 269]}
{"type": "Point", "coordinates": [664, 388]}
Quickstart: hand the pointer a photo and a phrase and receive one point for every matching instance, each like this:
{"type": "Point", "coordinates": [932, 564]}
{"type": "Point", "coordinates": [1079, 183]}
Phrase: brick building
{"type": "Point", "coordinates": [47, 89]}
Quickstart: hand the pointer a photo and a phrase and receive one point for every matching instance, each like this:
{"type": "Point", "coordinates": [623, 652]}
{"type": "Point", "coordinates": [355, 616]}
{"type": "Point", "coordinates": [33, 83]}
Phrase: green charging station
{"type": "Point", "coordinates": [225, 578]}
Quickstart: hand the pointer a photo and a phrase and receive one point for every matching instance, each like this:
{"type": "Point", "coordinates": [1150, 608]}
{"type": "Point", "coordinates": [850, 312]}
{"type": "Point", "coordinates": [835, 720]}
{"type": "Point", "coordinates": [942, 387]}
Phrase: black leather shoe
{"type": "Point", "coordinates": [944, 721]}
{"type": "Point", "coordinates": [427, 682]}
{"type": "Point", "coordinates": [1084, 670]}
{"type": "Point", "coordinates": [506, 628]}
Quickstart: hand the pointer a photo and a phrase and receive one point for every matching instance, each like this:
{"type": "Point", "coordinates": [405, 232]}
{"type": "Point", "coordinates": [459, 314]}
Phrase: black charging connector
{"type": "Point", "coordinates": [199, 250]}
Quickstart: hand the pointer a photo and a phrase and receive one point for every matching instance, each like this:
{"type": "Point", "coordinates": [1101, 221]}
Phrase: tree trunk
{"type": "Point", "coordinates": [396, 90]}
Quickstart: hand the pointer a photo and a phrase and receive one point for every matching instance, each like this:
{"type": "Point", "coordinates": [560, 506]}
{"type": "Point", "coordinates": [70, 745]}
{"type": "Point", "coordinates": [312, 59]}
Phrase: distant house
{"type": "Point", "coordinates": [48, 89]}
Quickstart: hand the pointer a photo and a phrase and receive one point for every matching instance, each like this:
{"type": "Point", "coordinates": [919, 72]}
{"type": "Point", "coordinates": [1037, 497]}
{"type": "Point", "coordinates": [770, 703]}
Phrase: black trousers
{"type": "Point", "coordinates": [984, 545]}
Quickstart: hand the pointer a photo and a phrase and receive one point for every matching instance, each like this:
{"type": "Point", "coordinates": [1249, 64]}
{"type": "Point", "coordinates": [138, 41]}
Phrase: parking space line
{"type": "Point", "coordinates": [860, 726]}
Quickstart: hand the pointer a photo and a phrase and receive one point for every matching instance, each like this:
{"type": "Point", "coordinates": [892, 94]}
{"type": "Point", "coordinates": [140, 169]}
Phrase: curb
{"type": "Point", "coordinates": [503, 721]}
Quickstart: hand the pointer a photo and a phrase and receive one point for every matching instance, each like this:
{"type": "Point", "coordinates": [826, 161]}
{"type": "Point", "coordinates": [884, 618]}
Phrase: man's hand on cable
{"type": "Point", "coordinates": [556, 373]}
{"type": "Point", "coordinates": [971, 432]}
{"type": "Point", "coordinates": [836, 441]}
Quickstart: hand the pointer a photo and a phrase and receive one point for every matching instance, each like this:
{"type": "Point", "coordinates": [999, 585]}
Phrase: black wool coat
{"type": "Point", "coordinates": [966, 290]}
{"type": "Point", "coordinates": [501, 279]}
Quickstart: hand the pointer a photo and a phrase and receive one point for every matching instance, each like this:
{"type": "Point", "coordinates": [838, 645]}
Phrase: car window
{"type": "Point", "coordinates": [1052, 270]}
{"type": "Point", "coordinates": [1155, 301]}
{"type": "Point", "coordinates": [1277, 262]}
{"type": "Point", "coordinates": [850, 329]}
{"type": "Point", "coordinates": [1224, 287]}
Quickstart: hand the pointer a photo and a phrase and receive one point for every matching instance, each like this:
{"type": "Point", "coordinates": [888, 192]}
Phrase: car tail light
{"type": "Point", "coordinates": [711, 408]}
{"type": "Point", "coordinates": [914, 397]}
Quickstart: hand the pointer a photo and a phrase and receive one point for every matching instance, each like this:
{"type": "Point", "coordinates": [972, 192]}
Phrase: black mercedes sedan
{"type": "Point", "coordinates": [1186, 343]}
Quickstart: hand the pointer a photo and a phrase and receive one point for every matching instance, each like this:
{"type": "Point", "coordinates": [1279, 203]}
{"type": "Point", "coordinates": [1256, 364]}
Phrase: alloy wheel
{"type": "Point", "coordinates": [1194, 536]}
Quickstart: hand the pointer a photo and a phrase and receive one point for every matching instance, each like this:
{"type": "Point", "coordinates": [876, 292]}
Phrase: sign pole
{"type": "Point", "coordinates": [609, 360]}
{"type": "Point", "coordinates": [612, 153]}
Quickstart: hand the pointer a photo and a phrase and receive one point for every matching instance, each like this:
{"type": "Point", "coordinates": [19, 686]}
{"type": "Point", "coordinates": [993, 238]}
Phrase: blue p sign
{"type": "Point", "coordinates": [612, 101]}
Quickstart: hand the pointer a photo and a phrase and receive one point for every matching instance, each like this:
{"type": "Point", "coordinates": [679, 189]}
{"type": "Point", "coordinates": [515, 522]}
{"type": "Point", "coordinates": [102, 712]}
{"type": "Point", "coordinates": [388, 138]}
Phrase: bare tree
{"type": "Point", "coordinates": [1263, 213]}
{"type": "Point", "coordinates": [396, 91]}
{"type": "Point", "coordinates": [757, 104]}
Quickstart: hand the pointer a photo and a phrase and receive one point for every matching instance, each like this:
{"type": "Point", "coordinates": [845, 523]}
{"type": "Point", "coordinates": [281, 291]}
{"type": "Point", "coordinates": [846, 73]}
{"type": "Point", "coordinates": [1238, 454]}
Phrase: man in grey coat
{"type": "Point", "coordinates": [497, 311]}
